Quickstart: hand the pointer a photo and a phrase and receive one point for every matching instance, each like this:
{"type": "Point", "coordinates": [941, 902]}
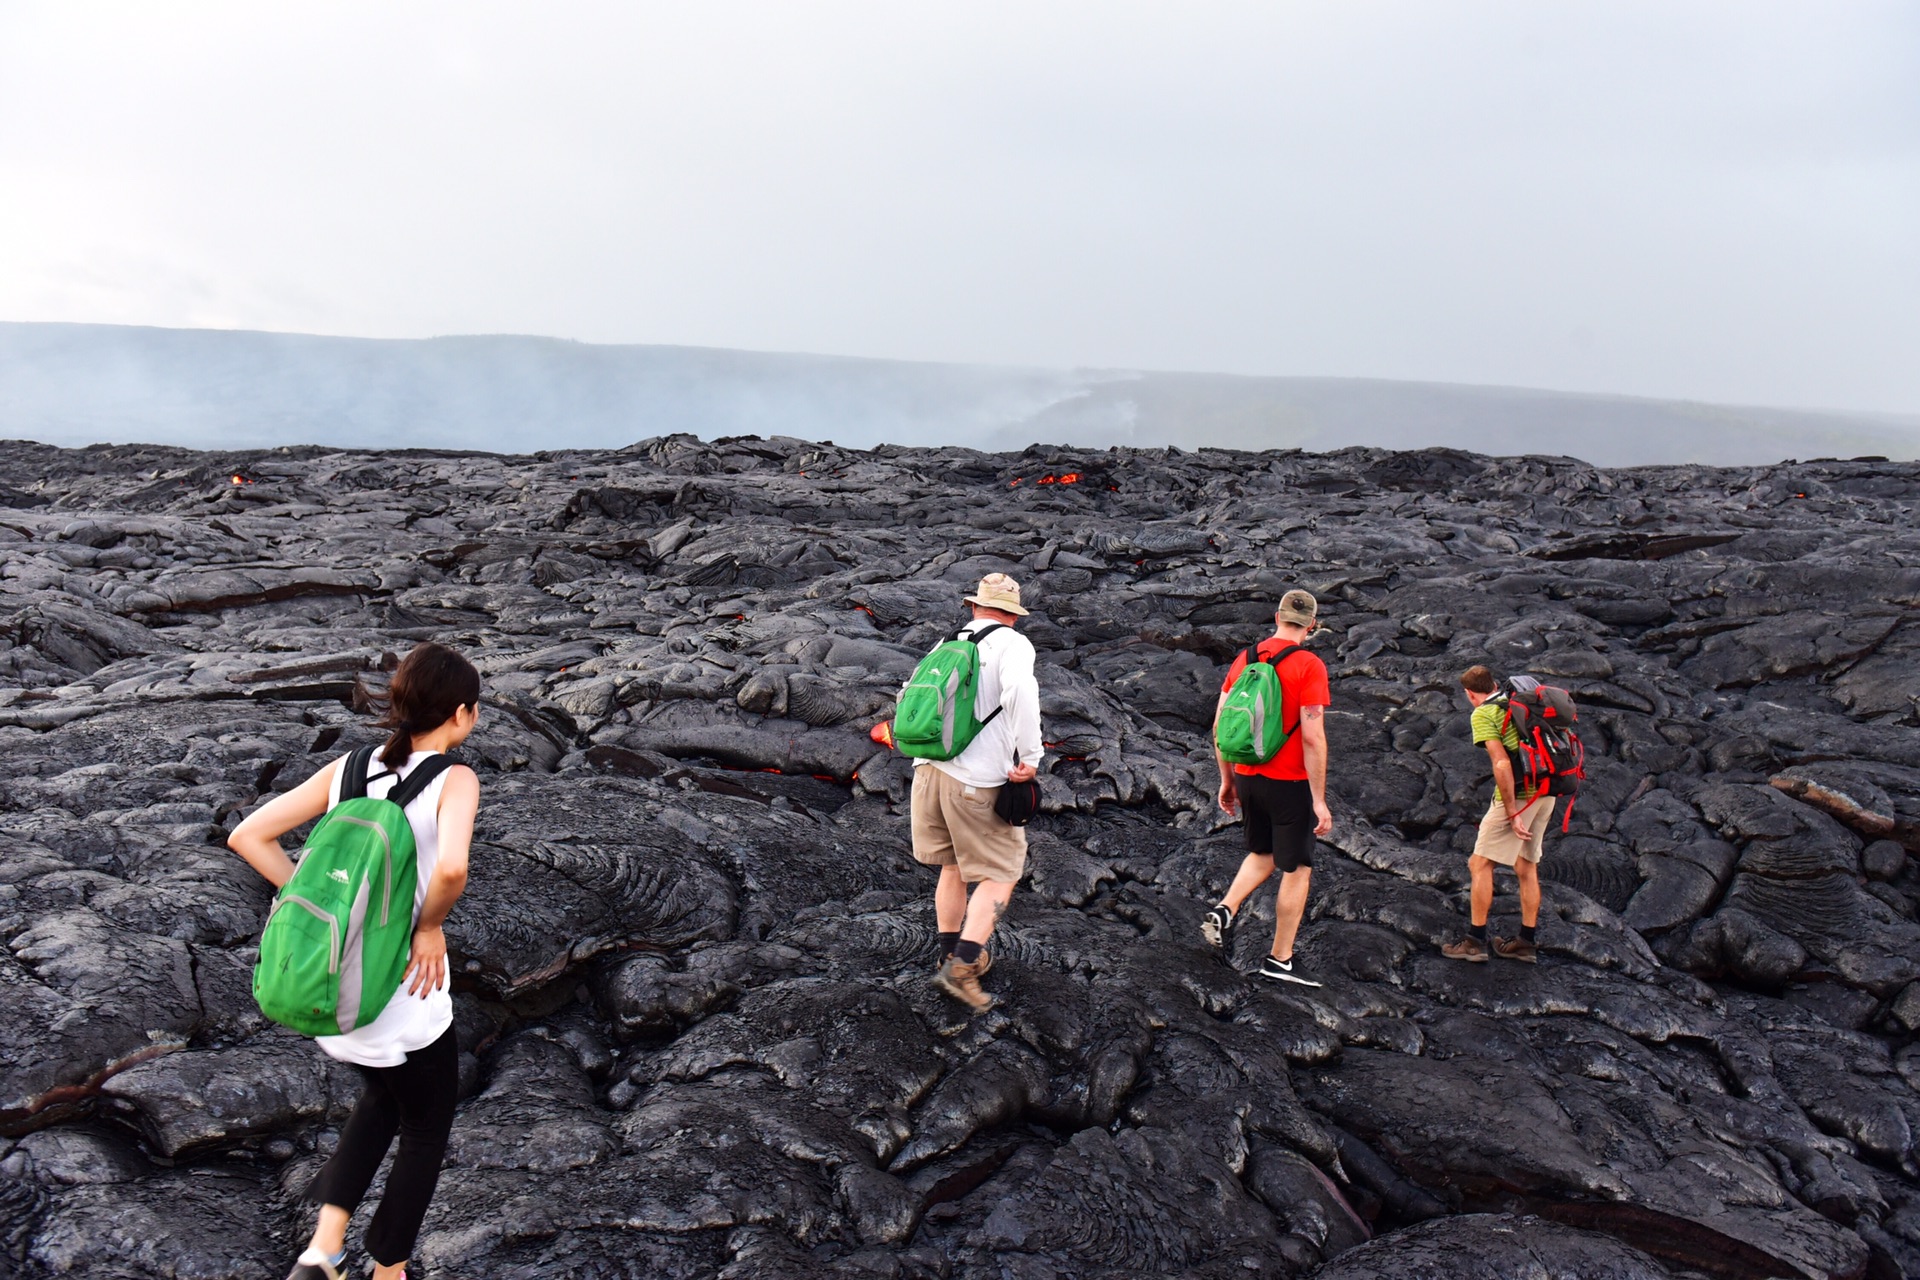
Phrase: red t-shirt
{"type": "Point", "coordinates": [1303, 684]}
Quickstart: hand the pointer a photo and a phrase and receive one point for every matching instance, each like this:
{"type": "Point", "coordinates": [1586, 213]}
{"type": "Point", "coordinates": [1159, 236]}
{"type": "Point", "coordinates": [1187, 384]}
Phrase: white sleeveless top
{"type": "Point", "coordinates": [409, 1022]}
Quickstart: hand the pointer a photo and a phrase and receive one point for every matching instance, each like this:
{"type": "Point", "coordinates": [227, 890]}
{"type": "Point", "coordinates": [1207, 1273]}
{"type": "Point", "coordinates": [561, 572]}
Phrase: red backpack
{"type": "Point", "coordinates": [1552, 761]}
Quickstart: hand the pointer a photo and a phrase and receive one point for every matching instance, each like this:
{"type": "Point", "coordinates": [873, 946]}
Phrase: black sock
{"type": "Point", "coordinates": [1221, 906]}
{"type": "Point", "coordinates": [1526, 933]}
{"type": "Point", "coordinates": [965, 952]}
{"type": "Point", "coordinates": [947, 941]}
{"type": "Point", "coordinates": [1477, 931]}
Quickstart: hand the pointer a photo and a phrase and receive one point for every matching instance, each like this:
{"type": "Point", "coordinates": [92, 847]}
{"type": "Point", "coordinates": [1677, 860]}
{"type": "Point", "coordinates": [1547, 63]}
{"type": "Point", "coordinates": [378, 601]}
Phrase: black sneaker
{"type": "Point", "coordinates": [1217, 928]}
{"type": "Point", "coordinates": [1285, 971]}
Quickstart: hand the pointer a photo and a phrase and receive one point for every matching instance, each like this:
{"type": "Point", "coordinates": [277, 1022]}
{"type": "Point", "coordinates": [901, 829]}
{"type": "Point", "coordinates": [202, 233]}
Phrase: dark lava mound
{"type": "Point", "coordinates": [699, 1038]}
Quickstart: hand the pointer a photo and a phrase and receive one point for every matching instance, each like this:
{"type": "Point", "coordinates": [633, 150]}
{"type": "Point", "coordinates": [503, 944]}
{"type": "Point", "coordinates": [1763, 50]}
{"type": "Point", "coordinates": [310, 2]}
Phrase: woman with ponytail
{"type": "Point", "coordinates": [407, 1053]}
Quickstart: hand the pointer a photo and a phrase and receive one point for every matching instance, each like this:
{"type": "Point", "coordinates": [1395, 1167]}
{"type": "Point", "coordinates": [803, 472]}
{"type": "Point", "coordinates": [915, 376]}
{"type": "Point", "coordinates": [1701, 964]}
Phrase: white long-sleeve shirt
{"type": "Point", "coordinates": [1006, 681]}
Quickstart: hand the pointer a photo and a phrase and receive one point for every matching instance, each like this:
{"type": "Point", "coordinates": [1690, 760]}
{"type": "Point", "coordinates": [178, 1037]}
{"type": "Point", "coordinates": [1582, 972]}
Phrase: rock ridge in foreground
{"type": "Point", "coordinates": [697, 1035]}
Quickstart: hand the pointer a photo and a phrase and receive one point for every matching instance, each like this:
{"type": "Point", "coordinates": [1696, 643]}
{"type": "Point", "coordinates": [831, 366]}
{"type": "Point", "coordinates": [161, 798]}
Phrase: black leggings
{"type": "Point", "coordinates": [415, 1100]}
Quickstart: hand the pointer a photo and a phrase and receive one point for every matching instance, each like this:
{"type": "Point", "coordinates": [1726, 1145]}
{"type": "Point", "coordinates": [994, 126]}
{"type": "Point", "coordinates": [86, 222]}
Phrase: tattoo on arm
{"type": "Point", "coordinates": [1311, 713]}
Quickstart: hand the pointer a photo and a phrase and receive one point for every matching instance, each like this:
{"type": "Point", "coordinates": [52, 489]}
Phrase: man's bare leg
{"type": "Point", "coordinates": [1254, 871]}
{"type": "Point", "coordinates": [1524, 947]}
{"type": "Point", "coordinates": [984, 909]}
{"type": "Point", "coordinates": [1481, 899]}
{"type": "Point", "coordinates": [959, 977]}
{"type": "Point", "coordinates": [1529, 873]}
{"type": "Point", "coordinates": [1288, 908]}
{"type": "Point", "coordinates": [950, 900]}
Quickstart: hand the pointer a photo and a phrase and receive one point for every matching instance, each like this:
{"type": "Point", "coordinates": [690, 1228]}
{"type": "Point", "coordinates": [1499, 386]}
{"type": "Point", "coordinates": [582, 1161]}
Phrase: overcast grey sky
{"type": "Point", "coordinates": [1705, 200]}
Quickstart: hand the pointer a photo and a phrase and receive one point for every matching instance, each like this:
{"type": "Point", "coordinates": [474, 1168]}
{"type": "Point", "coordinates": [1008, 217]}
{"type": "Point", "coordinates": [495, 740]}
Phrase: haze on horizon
{"type": "Point", "coordinates": [1706, 201]}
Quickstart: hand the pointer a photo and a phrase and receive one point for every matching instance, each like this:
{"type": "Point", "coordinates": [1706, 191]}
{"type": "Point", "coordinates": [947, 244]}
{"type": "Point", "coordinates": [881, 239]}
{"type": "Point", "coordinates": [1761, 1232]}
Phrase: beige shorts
{"type": "Point", "coordinates": [1497, 841]}
{"type": "Point", "coordinates": [954, 824]}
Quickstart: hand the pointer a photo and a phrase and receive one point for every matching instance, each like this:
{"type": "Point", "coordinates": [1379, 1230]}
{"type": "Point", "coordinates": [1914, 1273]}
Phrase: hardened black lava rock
{"type": "Point", "coordinates": [697, 1030]}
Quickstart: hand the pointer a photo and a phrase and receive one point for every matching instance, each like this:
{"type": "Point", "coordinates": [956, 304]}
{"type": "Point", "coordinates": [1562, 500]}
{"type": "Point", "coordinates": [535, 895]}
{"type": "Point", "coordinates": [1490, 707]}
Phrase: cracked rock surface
{"type": "Point", "coordinates": [697, 1034]}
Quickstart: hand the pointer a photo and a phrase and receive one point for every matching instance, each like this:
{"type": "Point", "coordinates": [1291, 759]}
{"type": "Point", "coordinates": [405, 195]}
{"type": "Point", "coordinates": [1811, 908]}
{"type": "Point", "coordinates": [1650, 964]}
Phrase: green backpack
{"type": "Point", "coordinates": [1251, 728]}
{"type": "Point", "coordinates": [340, 932]}
{"type": "Point", "coordinates": [933, 716]}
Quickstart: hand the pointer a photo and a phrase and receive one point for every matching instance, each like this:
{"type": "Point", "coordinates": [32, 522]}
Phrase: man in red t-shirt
{"type": "Point", "coordinates": [1282, 803]}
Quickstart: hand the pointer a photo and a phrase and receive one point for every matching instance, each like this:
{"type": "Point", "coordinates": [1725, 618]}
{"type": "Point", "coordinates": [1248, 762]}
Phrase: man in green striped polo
{"type": "Point", "coordinates": [1511, 834]}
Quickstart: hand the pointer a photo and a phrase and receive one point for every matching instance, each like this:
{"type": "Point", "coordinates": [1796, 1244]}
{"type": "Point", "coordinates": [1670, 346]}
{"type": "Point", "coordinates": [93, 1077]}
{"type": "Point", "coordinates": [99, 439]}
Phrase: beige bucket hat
{"type": "Point", "coordinates": [998, 591]}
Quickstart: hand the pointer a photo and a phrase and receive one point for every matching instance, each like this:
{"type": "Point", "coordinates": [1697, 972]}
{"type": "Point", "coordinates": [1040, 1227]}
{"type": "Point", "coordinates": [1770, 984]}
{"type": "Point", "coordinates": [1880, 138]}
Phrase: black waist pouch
{"type": "Point", "coordinates": [1018, 802]}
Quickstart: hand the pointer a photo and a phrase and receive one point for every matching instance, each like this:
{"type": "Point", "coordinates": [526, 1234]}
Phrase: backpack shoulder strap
{"type": "Point", "coordinates": [408, 789]}
{"type": "Point", "coordinates": [1282, 656]}
{"type": "Point", "coordinates": [1500, 703]}
{"type": "Point", "coordinates": [1275, 662]}
{"type": "Point", "coordinates": [1252, 655]}
{"type": "Point", "coordinates": [975, 640]}
{"type": "Point", "coordinates": [353, 773]}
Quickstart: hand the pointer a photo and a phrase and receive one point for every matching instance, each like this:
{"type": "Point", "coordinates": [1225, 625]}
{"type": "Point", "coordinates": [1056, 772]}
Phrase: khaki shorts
{"type": "Point", "coordinates": [1497, 841]}
{"type": "Point", "coordinates": [955, 825]}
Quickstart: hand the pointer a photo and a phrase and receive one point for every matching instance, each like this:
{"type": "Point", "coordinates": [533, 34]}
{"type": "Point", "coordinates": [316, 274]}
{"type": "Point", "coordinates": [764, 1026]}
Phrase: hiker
{"type": "Point", "coordinates": [1281, 800]}
{"type": "Point", "coordinates": [1513, 831]}
{"type": "Point", "coordinates": [407, 1052]}
{"type": "Point", "coordinates": [956, 828]}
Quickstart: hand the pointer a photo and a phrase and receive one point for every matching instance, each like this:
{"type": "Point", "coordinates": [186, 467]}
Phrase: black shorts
{"type": "Point", "coordinates": [1277, 814]}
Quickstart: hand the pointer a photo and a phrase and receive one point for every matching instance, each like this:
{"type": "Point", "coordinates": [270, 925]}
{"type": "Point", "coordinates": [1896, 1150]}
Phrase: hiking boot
{"type": "Point", "coordinates": [980, 970]}
{"type": "Point", "coordinates": [962, 982]}
{"type": "Point", "coordinates": [1285, 971]}
{"type": "Point", "coordinates": [1217, 928]}
{"type": "Point", "coordinates": [315, 1265]}
{"type": "Point", "coordinates": [1516, 949]}
{"type": "Point", "coordinates": [1468, 948]}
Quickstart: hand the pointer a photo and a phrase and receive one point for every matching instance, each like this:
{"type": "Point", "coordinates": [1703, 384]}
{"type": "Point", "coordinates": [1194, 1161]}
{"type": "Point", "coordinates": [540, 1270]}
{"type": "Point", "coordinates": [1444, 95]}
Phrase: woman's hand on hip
{"type": "Point", "coordinates": [427, 966]}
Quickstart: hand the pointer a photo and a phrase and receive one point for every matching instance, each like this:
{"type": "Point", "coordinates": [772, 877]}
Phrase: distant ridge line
{"type": "Point", "coordinates": [67, 383]}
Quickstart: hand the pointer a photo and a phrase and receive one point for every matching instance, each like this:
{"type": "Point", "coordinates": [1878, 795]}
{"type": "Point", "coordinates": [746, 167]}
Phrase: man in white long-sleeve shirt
{"type": "Point", "coordinates": [955, 827]}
